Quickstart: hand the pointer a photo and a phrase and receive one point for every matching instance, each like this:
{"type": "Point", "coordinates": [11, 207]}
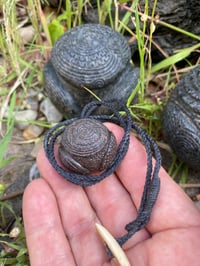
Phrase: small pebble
{"type": "Point", "coordinates": [37, 146]}
{"type": "Point", "coordinates": [32, 103]}
{"type": "Point", "coordinates": [34, 172]}
{"type": "Point", "coordinates": [27, 34]}
{"type": "Point", "coordinates": [40, 96]}
{"type": "Point", "coordinates": [32, 132]}
{"type": "Point", "coordinates": [14, 232]}
{"type": "Point", "coordinates": [50, 111]}
{"type": "Point", "coordinates": [22, 116]}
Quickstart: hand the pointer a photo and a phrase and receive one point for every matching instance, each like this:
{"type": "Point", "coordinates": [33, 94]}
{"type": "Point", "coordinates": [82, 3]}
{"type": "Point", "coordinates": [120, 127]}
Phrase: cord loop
{"type": "Point", "coordinates": [152, 183]}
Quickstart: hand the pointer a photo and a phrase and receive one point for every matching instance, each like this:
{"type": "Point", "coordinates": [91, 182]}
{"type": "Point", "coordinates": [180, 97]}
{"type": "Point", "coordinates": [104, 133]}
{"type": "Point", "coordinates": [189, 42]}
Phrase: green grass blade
{"type": "Point", "coordinates": [183, 54]}
{"type": "Point", "coordinates": [10, 125]}
{"type": "Point", "coordinates": [126, 17]}
{"type": "Point", "coordinates": [69, 14]}
{"type": "Point", "coordinates": [5, 162]}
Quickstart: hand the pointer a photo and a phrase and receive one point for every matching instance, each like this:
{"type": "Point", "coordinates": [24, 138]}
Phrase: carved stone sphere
{"type": "Point", "coordinates": [181, 119]}
{"type": "Point", "coordinates": [87, 146]}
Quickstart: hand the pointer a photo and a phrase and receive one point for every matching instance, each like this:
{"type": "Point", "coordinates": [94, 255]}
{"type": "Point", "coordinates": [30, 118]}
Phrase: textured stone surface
{"type": "Point", "coordinates": [87, 146]}
{"type": "Point", "coordinates": [181, 119]}
{"type": "Point", "coordinates": [92, 56]}
{"type": "Point", "coordinates": [50, 111]}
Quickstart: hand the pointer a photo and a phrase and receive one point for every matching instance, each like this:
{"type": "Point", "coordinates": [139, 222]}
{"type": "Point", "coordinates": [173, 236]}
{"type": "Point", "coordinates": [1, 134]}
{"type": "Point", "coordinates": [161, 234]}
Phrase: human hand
{"type": "Point", "coordinates": [60, 217]}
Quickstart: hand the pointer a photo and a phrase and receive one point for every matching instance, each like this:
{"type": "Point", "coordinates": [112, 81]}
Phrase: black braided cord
{"type": "Point", "coordinates": [152, 183]}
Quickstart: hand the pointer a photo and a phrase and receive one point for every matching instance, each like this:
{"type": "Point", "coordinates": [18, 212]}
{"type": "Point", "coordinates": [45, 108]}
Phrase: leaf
{"type": "Point", "coordinates": [56, 30]}
{"type": "Point", "coordinates": [21, 252]}
{"type": "Point", "coordinates": [12, 245]}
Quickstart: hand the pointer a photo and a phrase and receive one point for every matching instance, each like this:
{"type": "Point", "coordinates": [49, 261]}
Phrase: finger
{"type": "Point", "coordinates": [114, 208]}
{"type": "Point", "coordinates": [173, 208]}
{"type": "Point", "coordinates": [77, 216]}
{"type": "Point", "coordinates": [45, 236]}
{"type": "Point", "coordinates": [114, 205]}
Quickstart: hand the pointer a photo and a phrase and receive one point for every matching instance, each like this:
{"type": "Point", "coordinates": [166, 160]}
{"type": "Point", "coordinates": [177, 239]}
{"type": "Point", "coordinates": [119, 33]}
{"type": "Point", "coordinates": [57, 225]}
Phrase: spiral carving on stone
{"type": "Point", "coordinates": [181, 120]}
{"type": "Point", "coordinates": [90, 55]}
{"type": "Point", "coordinates": [87, 146]}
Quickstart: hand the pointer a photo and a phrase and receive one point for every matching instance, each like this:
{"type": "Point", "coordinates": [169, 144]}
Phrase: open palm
{"type": "Point", "coordinates": [60, 217]}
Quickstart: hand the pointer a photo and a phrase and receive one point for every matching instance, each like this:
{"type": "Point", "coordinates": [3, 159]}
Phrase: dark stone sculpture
{"type": "Point", "coordinates": [181, 119]}
{"type": "Point", "coordinates": [87, 146]}
{"type": "Point", "coordinates": [92, 56]}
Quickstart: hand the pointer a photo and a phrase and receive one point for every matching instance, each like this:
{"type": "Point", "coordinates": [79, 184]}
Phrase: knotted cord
{"type": "Point", "coordinates": [152, 183]}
